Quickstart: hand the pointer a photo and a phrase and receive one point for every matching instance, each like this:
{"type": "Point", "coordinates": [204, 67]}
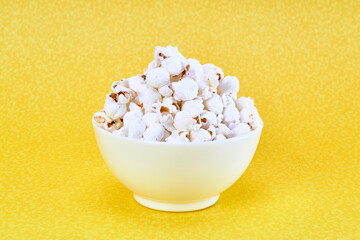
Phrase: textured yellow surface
{"type": "Point", "coordinates": [300, 61]}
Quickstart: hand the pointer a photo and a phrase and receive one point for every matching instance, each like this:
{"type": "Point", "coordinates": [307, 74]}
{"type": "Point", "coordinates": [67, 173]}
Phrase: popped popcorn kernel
{"type": "Point", "coordinates": [229, 85]}
{"type": "Point", "coordinates": [214, 104]}
{"type": "Point", "coordinates": [113, 109]}
{"type": "Point", "coordinates": [165, 91]}
{"type": "Point", "coordinates": [154, 133]}
{"type": "Point", "coordinates": [208, 119]}
{"type": "Point", "coordinates": [102, 120]}
{"type": "Point", "coordinates": [239, 129]}
{"type": "Point", "coordinates": [157, 77]}
{"type": "Point", "coordinates": [213, 74]}
{"type": "Point", "coordinates": [185, 89]}
{"type": "Point", "coordinates": [194, 107]}
{"type": "Point", "coordinates": [184, 121]}
{"type": "Point", "coordinates": [200, 135]}
{"type": "Point", "coordinates": [150, 119]}
{"type": "Point", "coordinates": [136, 129]}
{"type": "Point", "coordinates": [219, 137]}
{"type": "Point", "coordinates": [178, 136]}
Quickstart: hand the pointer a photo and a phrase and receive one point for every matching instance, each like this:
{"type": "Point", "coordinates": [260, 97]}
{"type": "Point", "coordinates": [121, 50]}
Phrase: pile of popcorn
{"type": "Point", "coordinates": [177, 100]}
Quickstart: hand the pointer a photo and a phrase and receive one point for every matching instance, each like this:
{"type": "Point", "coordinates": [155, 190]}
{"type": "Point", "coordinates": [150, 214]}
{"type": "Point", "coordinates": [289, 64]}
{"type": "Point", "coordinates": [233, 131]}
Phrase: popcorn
{"type": "Point", "coordinates": [177, 100]}
{"type": "Point", "coordinates": [194, 107]}
{"type": "Point", "coordinates": [250, 116]}
{"type": "Point", "coordinates": [150, 119]}
{"type": "Point", "coordinates": [213, 74]}
{"type": "Point", "coordinates": [208, 119]}
{"type": "Point", "coordinates": [184, 121]}
{"type": "Point", "coordinates": [135, 107]}
{"type": "Point", "coordinates": [219, 119]}
{"type": "Point", "coordinates": [137, 84]}
{"type": "Point", "coordinates": [212, 132]}
{"type": "Point", "coordinates": [239, 129]}
{"type": "Point", "coordinates": [170, 59]}
{"type": "Point", "coordinates": [167, 121]}
{"type": "Point", "coordinates": [227, 100]}
{"type": "Point", "coordinates": [113, 109]}
{"type": "Point", "coordinates": [185, 89]}
{"type": "Point", "coordinates": [222, 129]}
{"type": "Point", "coordinates": [135, 129]}
{"type": "Point", "coordinates": [166, 107]}
{"type": "Point", "coordinates": [175, 78]}
{"type": "Point", "coordinates": [165, 91]}
{"type": "Point", "coordinates": [206, 93]}
{"type": "Point", "coordinates": [229, 85]}
{"type": "Point", "coordinates": [214, 104]}
{"type": "Point", "coordinates": [153, 64]}
{"type": "Point", "coordinates": [122, 94]}
{"type": "Point", "coordinates": [148, 97]}
{"type": "Point", "coordinates": [102, 120]}
{"type": "Point", "coordinates": [178, 136]}
{"type": "Point", "coordinates": [219, 137]}
{"type": "Point", "coordinates": [120, 132]}
{"type": "Point", "coordinates": [200, 135]}
{"type": "Point", "coordinates": [157, 77]}
{"type": "Point", "coordinates": [154, 133]}
{"type": "Point", "coordinates": [173, 65]}
{"type": "Point", "coordinates": [122, 82]}
{"type": "Point", "coordinates": [243, 102]}
{"type": "Point", "coordinates": [197, 73]}
{"type": "Point", "coordinates": [231, 114]}
{"type": "Point", "coordinates": [169, 105]}
{"type": "Point", "coordinates": [162, 53]}
{"type": "Point", "coordinates": [166, 135]}
{"type": "Point", "coordinates": [132, 116]}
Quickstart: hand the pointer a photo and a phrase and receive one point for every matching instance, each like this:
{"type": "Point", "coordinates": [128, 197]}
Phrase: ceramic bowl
{"type": "Point", "coordinates": [177, 177]}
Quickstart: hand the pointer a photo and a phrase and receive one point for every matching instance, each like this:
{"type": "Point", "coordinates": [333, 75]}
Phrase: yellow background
{"type": "Point", "coordinates": [299, 61]}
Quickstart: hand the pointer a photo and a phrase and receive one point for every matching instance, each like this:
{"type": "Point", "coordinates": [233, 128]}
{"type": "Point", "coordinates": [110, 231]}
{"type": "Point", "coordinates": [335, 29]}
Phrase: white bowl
{"type": "Point", "coordinates": [177, 177]}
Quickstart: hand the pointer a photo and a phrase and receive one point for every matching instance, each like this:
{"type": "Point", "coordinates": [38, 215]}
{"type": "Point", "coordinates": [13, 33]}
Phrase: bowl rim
{"type": "Point", "coordinates": [228, 140]}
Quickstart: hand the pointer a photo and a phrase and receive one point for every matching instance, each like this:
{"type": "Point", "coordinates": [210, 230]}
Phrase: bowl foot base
{"type": "Point", "coordinates": [176, 207]}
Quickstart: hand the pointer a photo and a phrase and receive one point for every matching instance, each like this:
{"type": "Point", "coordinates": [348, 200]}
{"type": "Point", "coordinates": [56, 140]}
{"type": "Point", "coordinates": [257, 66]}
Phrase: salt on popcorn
{"type": "Point", "coordinates": [177, 100]}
